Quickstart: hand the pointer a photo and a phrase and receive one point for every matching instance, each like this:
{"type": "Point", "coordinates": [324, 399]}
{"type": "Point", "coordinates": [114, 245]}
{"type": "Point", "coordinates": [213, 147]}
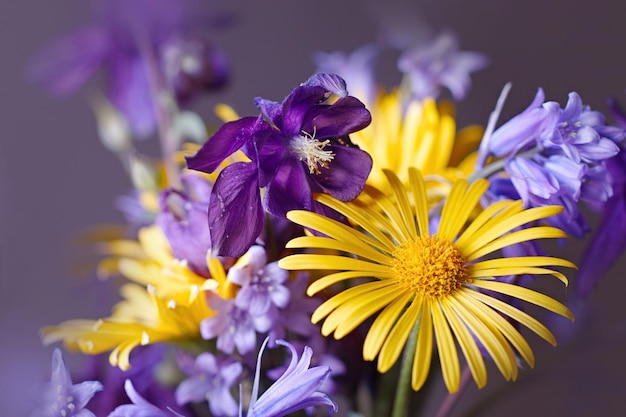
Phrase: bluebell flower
{"type": "Point", "coordinates": [62, 398]}
{"type": "Point", "coordinates": [580, 133]}
{"type": "Point", "coordinates": [296, 389]}
{"type": "Point", "coordinates": [557, 156]}
{"type": "Point", "coordinates": [438, 63]}
{"type": "Point", "coordinates": [296, 148]}
{"type": "Point", "coordinates": [609, 239]}
{"type": "Point", "coordinates": [182, 218]}
{"type": "Point", "coordinates": [131, 41]}
{"type": "Point", "coordinates": [234, 327]}
{"type": "Point", "coordinates": [139, 407]}
{"type": "Point", "coordinates": [210, 379]}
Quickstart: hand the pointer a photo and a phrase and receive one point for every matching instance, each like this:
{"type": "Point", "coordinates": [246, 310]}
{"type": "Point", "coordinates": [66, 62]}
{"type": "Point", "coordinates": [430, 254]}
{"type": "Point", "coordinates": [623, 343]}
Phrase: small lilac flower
{"type": "Point", "coordinates": [139, 407]}
{"type": "Point", "coordinates": [439, 63]}
{"type": "Point", "coordinates": [60, 397]}
{"type": "Point", "coordinates": [126, 40]}
{"type": "Point", "coordinates": [182, 218]}
{"type": "Point", "coordinates": [233, 326]}
{"type": "Point", "coordinates": [296, 148]}
{"type": "Point", "coordinates": [261, 283]}
{"type": "Point", "coordinates": [296, 316]}
{"type": "Point", "coordinates": [209, 380]}
{"type": "Point", "coordinates": [357, 68]}
{"type": "Point", "coordinates": [295, 390]}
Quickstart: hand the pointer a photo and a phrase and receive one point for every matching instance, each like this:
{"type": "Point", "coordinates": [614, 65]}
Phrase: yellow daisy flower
{"type": "Point", "coordinates": [432, 282]}
{"type": "Point", "coordinates": [141, 319]}
{"type": "Point", "coordinates": [420, 134]}
{"type": "Point", "coordinates": [168, 306]}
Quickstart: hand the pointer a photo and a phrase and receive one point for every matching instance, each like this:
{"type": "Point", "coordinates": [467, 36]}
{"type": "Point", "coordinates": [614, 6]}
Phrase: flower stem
{"type": "Point", "coordinates": [401, 401]}
{"type": "Point", "coordinates": [448, 404]}
{"type": "Point", "coordinates": [162, 110]}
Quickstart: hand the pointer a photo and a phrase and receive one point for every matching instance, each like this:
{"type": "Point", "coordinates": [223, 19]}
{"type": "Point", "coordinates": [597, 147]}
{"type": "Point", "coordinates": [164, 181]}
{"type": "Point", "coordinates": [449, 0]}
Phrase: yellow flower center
{"type": "Point", "coordinates": [430, 266]}
{"type": "Point", "coordinates": [312, 151]}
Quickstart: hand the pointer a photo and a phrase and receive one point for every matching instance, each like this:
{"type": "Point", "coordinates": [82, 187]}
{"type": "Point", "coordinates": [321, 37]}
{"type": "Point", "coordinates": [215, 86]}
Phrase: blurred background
{"type": "Point", "coordinates": [56, 179]}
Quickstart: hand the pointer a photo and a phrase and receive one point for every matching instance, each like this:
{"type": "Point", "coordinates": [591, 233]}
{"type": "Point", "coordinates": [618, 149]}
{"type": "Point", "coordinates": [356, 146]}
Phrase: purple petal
{"type": "Point", "coordinates": [289, 190]}
{"type": "Point", "coordinates": [606, 246]}
{"type": "Point", "coordinates": [296, 106]}
{"type": "Point", "coordinates": [236, 216]}
{"type": "Point", "coordinates": [347, 172]}
{"type": "Point", "coordinates": [229, 138]}
{"type": "Point", "coordinates": [345, 116]}
{"type": "Point", "coordinates": [129, 91]}
{"type": "Point", "coordinates": [329, 82]}
{"type": "Point", "coordinates": [270, 152]}
{"type": "Point", "coordinates": [270, 109]}
{"type": "Point", "coordinates": [192, 389]}
{"type": "Point", "coordinates": [67, 64]}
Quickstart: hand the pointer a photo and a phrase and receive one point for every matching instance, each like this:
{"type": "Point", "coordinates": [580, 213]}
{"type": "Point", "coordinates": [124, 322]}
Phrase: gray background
{"type": "Point", "coordinates": [56, 179]}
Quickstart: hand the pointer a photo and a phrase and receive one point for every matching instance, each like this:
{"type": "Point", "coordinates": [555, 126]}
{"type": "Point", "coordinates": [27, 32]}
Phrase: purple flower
{"type": "Point", "coordinates": [139, 407]}
{"type": "Point", "coordinates": [525, 129]}
{"type": "Point", "coordinates": [209, 380]}
{"type": "Point", "coordinates": [233, 326]}
{"type": "Point", "coordinates": [145, 361]}
{"type": "Point", "coordinates": [61, 398]}
{"type": "Point", "coordinates": [295, 390]}
{"type": "Point", "coordinates": [182, 218]}
{"type": "Point", "coordinates": [261, 283]}
{"type": "Point", "coordinates": [439, 63]}
{"type": "Point", "coordinates": [296, 148]}
{"type": "Point", "coordinates": [129, 40]}
{"type": "Point", "coordinates": [579, 133]}
{"type": "Point", "coordinates": [609, 240]}
{"type": "Point", "coordinates": [357, 68]}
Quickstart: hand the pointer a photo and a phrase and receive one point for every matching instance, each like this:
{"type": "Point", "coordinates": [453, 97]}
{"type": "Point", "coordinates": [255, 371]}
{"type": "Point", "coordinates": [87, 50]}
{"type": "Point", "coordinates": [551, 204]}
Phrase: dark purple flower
{"type": "Point", "coordinates": [295, 390]}
{"type": "Point", "coordinates": [182, 218]}
{"type": "Point", "coordinates": [209, 380]}
{"type": "Point", "coordinates": [297, 147]}
{"type": "Point", "coordinates": [61, 398]}
{"type": "Point", "coordinates": [439, 63]}
{"type": "Point", "coordinates": [143, 375]}
{"type": "Point", "coordinates": [139, 407]}
{"type": "Point", "coordinates": [128, 40]}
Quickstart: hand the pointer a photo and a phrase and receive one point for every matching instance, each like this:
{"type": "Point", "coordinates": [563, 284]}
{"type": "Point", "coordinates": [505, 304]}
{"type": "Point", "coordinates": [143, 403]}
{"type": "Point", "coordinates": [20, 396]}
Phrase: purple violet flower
{"type": "Point", "coordinates": [129, 41]}
{"type": "Point", "coordinates": [295, 390]}
{"type": "Point", "coordinates": [261, 283]}
{"type": "Point", "coordinates": [139, 407]}
{"type": "Point", "coordinates": [209, 380]}
{"type": "Point", "coordinates": [296, 148]}
{"type": "Point", "coordinates": [60, 397]}
{"type": "Point", "coordinates": [439, 63]}
{"type": "Point", "coordinates": [182, 218]}
{"type": "Point", "coordinates": [234, 326]}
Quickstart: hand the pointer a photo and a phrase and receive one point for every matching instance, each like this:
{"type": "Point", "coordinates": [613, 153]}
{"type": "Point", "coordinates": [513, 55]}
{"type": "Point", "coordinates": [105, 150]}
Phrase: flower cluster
{"type": "Point", "coordinates": [371, 214]}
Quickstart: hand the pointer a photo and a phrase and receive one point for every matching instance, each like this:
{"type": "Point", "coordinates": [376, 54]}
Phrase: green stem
{"type": "Point", "coordinates": [401, 401]}
{"type": "Point", "coordinates": [496, 166]}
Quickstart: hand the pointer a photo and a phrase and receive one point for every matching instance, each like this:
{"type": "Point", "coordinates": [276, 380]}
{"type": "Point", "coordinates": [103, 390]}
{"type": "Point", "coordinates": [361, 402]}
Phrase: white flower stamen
{"type": "Point", "coordinates": [311, 150]}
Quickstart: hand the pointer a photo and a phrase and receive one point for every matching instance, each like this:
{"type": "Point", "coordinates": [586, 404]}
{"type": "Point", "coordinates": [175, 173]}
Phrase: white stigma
{"type": "Point", "coordinates": [311, 150]}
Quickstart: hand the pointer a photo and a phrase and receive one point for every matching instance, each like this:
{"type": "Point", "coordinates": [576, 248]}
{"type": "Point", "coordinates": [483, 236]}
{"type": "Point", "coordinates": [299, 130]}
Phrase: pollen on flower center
{"type": "Point", "coordinates": [430, 266]}
{"type": "Point", "coordinates": [311, 150]}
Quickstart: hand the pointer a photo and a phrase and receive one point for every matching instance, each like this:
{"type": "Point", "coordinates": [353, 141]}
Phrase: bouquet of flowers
{"type": "Point", "coordinates": [337, 249]}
